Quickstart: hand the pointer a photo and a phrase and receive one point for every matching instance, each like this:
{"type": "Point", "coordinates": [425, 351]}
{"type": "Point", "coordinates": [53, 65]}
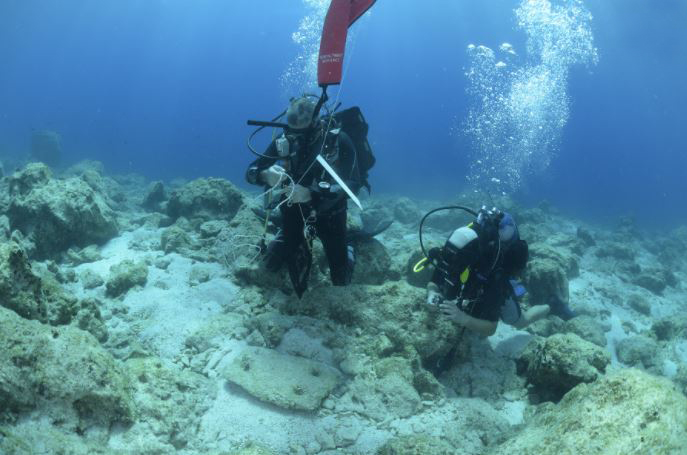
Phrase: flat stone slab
{"type": "Point", "coordinates": [286, 381]}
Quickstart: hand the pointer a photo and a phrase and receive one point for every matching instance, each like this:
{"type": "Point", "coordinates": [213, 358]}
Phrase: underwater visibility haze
{"type": "Point", "coordinates": [154, 300]}
{"type": "Point", "coordinates": [164, 89]}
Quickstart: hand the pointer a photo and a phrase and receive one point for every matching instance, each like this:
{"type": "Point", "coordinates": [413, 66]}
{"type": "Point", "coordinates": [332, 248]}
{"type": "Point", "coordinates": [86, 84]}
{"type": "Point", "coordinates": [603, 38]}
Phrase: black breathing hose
{"type": "Point", "coordinates": [263, 125]}
{"type": "Point", "coordinates": [448, 207]}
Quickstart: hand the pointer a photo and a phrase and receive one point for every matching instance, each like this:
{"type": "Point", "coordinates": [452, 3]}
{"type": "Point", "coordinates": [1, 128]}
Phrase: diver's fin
{"type": "Point", "coordinates": [561, 309]}
{"type": "Point", "coordinates": [358, 235]}
{"type": "Point", "coordinates": [300, 264]}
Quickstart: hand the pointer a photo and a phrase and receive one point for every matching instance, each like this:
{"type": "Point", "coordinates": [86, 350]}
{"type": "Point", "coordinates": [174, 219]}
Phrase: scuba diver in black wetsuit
{"type": "Point", "coordinates": [313, 202]}
{"type": "Point", "coordinates": [474, 279]}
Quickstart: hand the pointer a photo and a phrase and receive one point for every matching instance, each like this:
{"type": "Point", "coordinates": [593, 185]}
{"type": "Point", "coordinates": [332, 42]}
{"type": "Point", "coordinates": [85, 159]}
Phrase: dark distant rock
{"type": "Point", "coordinates": [373, 264]}
{"type": "Point", "coordinates": [670, 327]}
{"type": "Point", "coordinates": [46, 147]}
{"type": "Point", "coordinates": [615, 250]}
{"type": "Point", "coordinates": [653, 281]}
{"type": "Point", "coordinates": [586, 237]}
{"type": "Point", "coordinates": [639, 304]}
{"type": "Point", "coordinates": [155, 196]}
{"type": "Point", "coordinates": [406, 211]}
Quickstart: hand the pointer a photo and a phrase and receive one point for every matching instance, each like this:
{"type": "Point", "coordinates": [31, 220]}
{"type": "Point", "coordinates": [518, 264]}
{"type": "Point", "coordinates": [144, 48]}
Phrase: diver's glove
{"type": "Point", "coordinates": [453, 312]}
{"type": "Point", "coordinates": [298, 194]}
{"type": "Point", "coordinates": [273, 175]}
{"type": "Point", "coordinates": [561, 309]}
{"type": "Point", "coordinates": [434, 297]}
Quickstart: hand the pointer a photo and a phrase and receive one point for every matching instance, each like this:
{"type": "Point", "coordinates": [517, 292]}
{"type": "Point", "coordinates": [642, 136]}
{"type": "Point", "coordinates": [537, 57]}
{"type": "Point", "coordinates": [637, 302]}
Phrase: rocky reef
{"type": "Point", "coordinates": [136, 317]}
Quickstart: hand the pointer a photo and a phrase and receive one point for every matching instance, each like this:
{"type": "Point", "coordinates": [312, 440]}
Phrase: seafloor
{"type": "Point", "coordinates": [136, 319]}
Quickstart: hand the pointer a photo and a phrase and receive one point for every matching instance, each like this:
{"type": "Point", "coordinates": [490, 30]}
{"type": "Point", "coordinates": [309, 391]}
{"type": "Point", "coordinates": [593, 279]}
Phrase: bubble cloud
{"type": "Point", "coordinates": [520, 104]}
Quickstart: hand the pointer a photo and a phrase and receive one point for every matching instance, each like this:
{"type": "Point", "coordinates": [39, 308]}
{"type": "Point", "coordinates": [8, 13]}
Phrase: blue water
{"type": "Point", "coordinates": [163, 88]}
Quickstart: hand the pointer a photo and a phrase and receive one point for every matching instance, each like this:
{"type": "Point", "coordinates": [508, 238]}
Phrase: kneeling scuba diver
{"type": "Point", "coordinates": [474, 281]}
{"type": "Point", "coordinates": [313, 167]}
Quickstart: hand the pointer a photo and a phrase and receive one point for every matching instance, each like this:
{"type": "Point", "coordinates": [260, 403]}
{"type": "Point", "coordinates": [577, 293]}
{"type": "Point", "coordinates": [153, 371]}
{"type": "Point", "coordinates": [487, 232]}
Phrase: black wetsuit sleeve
{"type": "Point", "coordinates": [347, 167]}
{"type": "Point", "coordinates": [488, 306]}
{"type": "Point", "coordinates": [262, 163]}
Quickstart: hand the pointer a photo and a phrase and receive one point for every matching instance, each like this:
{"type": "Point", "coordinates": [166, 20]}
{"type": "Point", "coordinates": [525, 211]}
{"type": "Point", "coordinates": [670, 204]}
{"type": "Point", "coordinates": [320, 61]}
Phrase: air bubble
{"type": "Point", "coordinates": [517, 116]}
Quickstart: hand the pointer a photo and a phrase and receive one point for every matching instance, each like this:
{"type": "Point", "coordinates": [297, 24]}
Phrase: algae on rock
{"type": "Point", "coordinates": [29, 295]}
{"type": "Point", "coordinates": [58, 214]}
{"type": "Point", "coordinates": [628, 412]}
{"type": "Point", "coordinates": [170, 403]}
{"type": "Point", "coordinates": [207, 199]}
{"type": "Point", "coordinates": [558, 363]}
{"type": "Point", "coordinates": [125, 276]}
{"type": "Point", "coordinates": [44, 364]}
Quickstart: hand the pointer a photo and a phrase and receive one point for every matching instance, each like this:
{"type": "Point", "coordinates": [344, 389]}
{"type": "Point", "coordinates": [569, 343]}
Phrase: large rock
{"type": "Point", "coordinates": [585, 326]}
{"type": "Point", "coordinates": [556, 364]}
{"type": "Point", "coordinates": [558, 249]}
{"type": "Point", "coordinates": [171, 402]}
{"type": "Point", "coordinates": [628, 412]}
{"type": "Point", "coordinates": [27, 294]}
{"type": "Point", "coordinates": [58, 214]}
{"type": "Point", "coordinates": [546, 281]}
{"type": "Point", "coordinates": [617, 251]}
{"type": "Point", "coordinates": [43, 365]}
{"type": "Point", "coordinates": [299, 383]}
{"type": "Point", "coordinates": [406, 211]}
{"type": "Point", "coordinates": [388, 393]}
{"type": "Point", "coordinates": [394, 310]}
{"type": "Point", "coordinates": [206, 199]}
{"type": "Point", "coordinates": [373, 264]}
{"type": "Point", "coordinates": [639, 351]}
{"type": "Point", "coordinates": [125, 276]}
{"type": "Point", "coordinates": [670, 327]}
{"type": "Point", "coordinates": [653, 281]}
{"type": "Point", "coordinates": [155, 196]}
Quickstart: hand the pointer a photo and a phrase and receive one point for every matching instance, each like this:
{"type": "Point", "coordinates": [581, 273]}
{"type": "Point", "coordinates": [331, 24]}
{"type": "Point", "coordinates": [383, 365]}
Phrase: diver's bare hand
{"type": "Point", "coordinates": [451, 310]}
{"type": "Point", "coordinates": [298, 194]}
{"type": "Point", "coordinates": [273, 175]}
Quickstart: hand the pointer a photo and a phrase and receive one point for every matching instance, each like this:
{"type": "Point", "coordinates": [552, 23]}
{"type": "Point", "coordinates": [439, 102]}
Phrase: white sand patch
{"type": "Point", "coordinates": [681, 351]}
{"type": "Point", "coordinates": [514, 411]}
{"type": "Point", "coordinates": [168, 308]}
{"type": "Point", "coordinates": [172, 314]}
{"type": "Point", "coordinates": [614, 336]}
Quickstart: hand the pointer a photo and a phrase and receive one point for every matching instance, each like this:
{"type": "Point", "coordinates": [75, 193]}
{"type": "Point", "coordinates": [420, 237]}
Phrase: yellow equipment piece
{"type": "Point", "coordinates": [420, 265]}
